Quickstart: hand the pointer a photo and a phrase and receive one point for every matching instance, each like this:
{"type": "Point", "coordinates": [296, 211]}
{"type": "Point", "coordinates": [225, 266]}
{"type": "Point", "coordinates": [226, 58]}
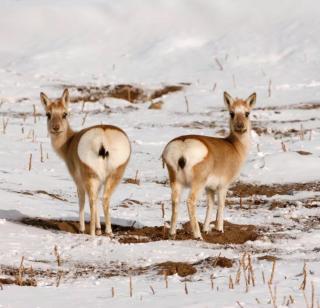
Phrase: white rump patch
{"type": "Point", "coordinates": [115, 143]}
{"type": "Point", "coordinates": [193, 150]}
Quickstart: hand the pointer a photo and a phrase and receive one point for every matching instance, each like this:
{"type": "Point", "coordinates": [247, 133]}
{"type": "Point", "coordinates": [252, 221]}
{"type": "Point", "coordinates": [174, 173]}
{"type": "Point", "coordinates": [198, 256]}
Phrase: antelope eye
{"type": "Point", "coordinates": [48, 115]}
{"type": "Point", "coordinates": [247, 114]}
{"type": "Point", "coordinates": [232, 114]}
{"type": "Point", "coordinates": [64, 115]}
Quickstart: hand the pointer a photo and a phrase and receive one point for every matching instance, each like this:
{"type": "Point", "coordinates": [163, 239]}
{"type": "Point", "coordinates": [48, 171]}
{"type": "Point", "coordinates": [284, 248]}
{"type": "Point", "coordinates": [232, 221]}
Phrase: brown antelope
{"type": "Point", "coordinates": [201, 162]}
{"type": "Point", "coordinates": [95, 156]}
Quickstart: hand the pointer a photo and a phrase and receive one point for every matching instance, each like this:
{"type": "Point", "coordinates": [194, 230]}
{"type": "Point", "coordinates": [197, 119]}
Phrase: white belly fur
{"type": "Point", "coordinates": [113, 140]}
{"type": "Point", "coordinates": [193, 150]}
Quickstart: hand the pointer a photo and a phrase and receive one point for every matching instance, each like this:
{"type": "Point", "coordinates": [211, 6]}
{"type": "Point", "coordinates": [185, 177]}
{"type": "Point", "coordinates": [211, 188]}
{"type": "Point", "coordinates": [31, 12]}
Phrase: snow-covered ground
{"type": "Point", "coordinates": [269, 47]}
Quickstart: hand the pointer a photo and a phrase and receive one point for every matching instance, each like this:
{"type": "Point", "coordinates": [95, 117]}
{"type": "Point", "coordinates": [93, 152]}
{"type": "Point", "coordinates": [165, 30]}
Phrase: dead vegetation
{"type": "Point", "coordinates": [131, 93]}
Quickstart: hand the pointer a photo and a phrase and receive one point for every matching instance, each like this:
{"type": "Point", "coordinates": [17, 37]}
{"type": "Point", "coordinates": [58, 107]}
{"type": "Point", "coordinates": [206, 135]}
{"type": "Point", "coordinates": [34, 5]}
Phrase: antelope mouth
{"type": "Point", "coordinates": [56, 133]}
{"type": "Point", "coordinates": [241, 131]}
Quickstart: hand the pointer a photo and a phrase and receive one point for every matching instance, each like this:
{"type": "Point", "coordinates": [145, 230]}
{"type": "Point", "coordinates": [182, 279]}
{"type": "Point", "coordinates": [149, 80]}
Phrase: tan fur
{"type": "Point", "coordinates": [216, 171]}
{"type": "Point", "coordinates": [65, 142]}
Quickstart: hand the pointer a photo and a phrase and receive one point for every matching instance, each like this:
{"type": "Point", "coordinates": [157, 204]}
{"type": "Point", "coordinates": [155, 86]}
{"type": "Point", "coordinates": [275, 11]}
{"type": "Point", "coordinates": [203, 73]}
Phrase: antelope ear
{"type": "Point", "coordinates": [65, 97]}
{"type": "Point", "coordinates": [44, 100]}
{"type": "Point", "coordinates": [228, 100]}
{"type": "Point", "coordinates": [251, 100]}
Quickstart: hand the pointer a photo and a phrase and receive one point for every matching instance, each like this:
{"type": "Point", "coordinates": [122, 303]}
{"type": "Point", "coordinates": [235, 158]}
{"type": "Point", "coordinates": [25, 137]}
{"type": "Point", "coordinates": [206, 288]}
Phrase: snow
{"type": "Point", "coordinates": [47, 44]}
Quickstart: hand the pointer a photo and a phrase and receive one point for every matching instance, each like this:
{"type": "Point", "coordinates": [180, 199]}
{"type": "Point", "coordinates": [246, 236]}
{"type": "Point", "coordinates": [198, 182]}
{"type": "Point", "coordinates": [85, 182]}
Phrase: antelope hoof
{"type": "Point", "coordinates": [172, 236]}
{"type": "Point", "coordinates": [109, 234]}
{"type": "Point", "coordinates": [98, 232]}
{"type": "Point", "coordinates": [198, 238]}
{"type": "Point", "coordinates": [81, 231]}
{"type": "Point", "coordinates": [219, 229]}
{"type": "Point", "coordinates": [207, 229]}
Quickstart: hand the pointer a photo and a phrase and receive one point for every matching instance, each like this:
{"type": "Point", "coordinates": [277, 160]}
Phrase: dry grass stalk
{"type": "Point", "coordinates": [305, 299]}
{"type": "Point", "coordinates": [41, 153]}
{"type": "Point", "coordinates": [22, 130]}
{"type": "Point", "coordinates": [30, 162]}
{"type": "Point", "coordinates": [257, 300]}
{"type": "Point", "coordinates": [216, 260]}
{"type": "Point", "coordinates": [269, 88]}
{"type": "Point", "coordinates": [244, 268]}
{"type": "Point", "coordinates": [33, 136]}
{"type": "Point", "coordinates": [84, 118]}
{"type": "Point", "coordinates": [301, 132]}
{"type": "Point", "coordinates": [272, 272]}
{"type": "Point", "coordinates": [166, 279]}
{"type": "Point", "coordinates": [251, 270]}
{"type": "Point", "coordinates": [240, 202]}
{"type": "Point", "coordinates": [258, 147]}
{"type": "Point", "coordinates": [130, 286]}
{"type": "Point", "coordinates": [239, 304]}
{"type": "Point", "coordinates": [4, 125]}
{"type": "Point", "coordinates": [214, 87]}
{"type": "Point", "coordinates": [20, 272]}
{"type": "Point", "coordinates": [219, 64]}
{"type": "Point", "coordinates": [34, 114]}
{"type": "Point", "coordinates": [231, 285]}
{"type": "Point", "coordinates": [304, 281]}
{"type": "Point", "coordinates": [83, 105]}
{"type": "Point", "coordinates": [187, 104]}
{"type": "Point", "coordinates": [212, 281]}
{"type": "Point", "coordinates": [57, 255]}
{"type": "Point", "coordinates": [162, 210]}
{"type": "Point", "coordinates": [135, 180]}
{"type": "Point", "coordinates": [273, 297]}
{"type": "Point", "coordinates": [283, 146]}
{"type": "Point", "coordinates": [312, 295]}
{"type": "Point", "coordinates": [238, 275]}
{"type": "Point", "coordinates": [152, 290]}
{"type": "Point", "coordinates": [263, 277]}
{"type": "Point", "coordinates": [59, 276]}
{"type": "Point", "coordinates": [113, 293]}
{"type": "Point", "coordinates": [186, 288]}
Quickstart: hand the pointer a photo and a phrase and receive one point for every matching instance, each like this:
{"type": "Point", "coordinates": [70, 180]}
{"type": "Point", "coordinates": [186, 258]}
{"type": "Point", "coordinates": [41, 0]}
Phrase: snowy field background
{"type": "Point", "coordinates": [269, 47]}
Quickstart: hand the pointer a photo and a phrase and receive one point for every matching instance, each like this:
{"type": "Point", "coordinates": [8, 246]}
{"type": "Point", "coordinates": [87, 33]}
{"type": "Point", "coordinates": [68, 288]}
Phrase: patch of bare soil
{"type": "Point", "coordinates": [233, 233]}
{"type": "Point", "coordinates": [246, 189]}
{"type": "Point", "coordinates": [268, 258]}
{"type": "Point", "coordinates": [171, 268]}
{"type": "Point", "coordinates": [128, 92]}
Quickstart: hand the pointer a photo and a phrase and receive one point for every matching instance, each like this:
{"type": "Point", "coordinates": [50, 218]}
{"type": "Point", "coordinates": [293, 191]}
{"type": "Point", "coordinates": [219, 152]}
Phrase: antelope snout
{"type": "Point", "coordinates": [240, 127]}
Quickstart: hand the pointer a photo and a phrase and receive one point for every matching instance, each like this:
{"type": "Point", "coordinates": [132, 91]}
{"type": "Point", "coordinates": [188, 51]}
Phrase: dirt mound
{"type": "Point", "coordinates": [233, 233]}
{"type": "Point", "coordinates": [171, 268]}
{"type": "Point", "coordinates": [128, 92]}
{"type": "Point", "coordinates": [247, 190]}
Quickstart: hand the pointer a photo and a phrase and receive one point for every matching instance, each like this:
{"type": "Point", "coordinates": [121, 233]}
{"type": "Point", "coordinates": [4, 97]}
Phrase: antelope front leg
{"type": "Point", "coordinates": [82, 198]}
{"type": "Point", "coordinates": [192, 209]}
{"type": "Point", "coordinates": [210, 202]}
{"type": "Point", "coordinates": [175, 198]}
{"type": "Point", "coordinates": [221, 202]}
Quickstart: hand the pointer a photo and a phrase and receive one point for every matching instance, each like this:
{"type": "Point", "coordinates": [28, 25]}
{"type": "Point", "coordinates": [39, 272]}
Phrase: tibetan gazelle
{"type": "Point", "coordinates": [96, 157]}
{"type": "Point", "coordinates": [208, 163]}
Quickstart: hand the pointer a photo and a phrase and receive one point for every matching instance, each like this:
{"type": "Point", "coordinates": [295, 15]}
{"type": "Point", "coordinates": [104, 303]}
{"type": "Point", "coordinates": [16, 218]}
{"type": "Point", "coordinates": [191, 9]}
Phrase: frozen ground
{"type": "Point", "coordinates": [271, 48]}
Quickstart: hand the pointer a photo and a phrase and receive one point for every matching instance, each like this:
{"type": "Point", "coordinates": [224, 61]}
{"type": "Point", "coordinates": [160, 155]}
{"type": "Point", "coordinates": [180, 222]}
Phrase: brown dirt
{"type": "Point", "coordinates": [268, 258]}
{"type": "Point", "coordinates": [128, 92]}
{"type": "Point", "coordinates": [165, 90]}
{"type": "Point", "coordinates": [233, 233]}
{"type": "Point", "coordinates": [171, 268]}
{"type": "Point", "coordinates": [246, 190]}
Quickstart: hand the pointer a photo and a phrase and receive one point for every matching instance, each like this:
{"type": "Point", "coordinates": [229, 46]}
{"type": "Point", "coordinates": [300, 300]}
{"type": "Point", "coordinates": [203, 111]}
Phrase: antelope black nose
{"type": "Point", "coordinates": [56, 128]}
{"type": "Point", "coordinates": [240, 126]}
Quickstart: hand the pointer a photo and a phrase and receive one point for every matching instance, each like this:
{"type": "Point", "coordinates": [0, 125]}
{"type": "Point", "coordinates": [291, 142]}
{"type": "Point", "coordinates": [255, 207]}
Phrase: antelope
{"type": "Point", "coordinates": [96, 157]}
{"type": "Point", "coordinates": [208, 163]}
